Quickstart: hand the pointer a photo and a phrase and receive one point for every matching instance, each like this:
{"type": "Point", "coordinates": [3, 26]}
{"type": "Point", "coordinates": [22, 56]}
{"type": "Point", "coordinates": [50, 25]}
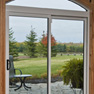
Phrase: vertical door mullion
{"type": "Point", "coordinates": [49, 56]}
{"type": "Point", "coordinates": [86, 57]}
{"type": "Point", "coordinates": [88, 51]}
{"type": "Point", "coordinates": [7, 52]}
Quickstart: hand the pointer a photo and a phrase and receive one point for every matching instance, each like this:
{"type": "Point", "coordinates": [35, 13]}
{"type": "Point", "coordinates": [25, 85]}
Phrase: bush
{"type": "Point", "coordinates": [73, 72]}
{"type": "Point", "coordinates": [44, 75]}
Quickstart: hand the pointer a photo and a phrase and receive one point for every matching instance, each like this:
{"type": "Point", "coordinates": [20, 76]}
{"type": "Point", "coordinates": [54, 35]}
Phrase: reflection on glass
{"type": "Point", "coordinates": [28, 46]}
{"type": "Point", "coordinates": [67, 57]}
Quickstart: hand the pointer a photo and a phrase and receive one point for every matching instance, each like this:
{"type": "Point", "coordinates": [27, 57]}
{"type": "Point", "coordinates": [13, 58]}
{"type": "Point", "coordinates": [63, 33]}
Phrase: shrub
{"type": "Point", "coordinates": [44, 75]}
{"type": "Point", "coordinates": [54, 75]}
{"type": "Point", "coordinates": [73, 72]}
{"type": "Point", "coordinates": [35, 77]}
{"type": "Point", "coordinates": [60, 72]}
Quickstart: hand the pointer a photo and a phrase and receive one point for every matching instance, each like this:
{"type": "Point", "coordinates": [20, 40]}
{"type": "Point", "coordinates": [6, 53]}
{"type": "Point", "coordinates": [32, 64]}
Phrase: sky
{"type": "Point", "coordinates": [63, 30]}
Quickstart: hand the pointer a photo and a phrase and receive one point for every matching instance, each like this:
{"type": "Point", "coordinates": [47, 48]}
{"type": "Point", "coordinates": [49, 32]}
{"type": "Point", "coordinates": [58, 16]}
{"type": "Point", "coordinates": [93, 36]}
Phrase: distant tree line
{"type": "Point", "coordinates": [32, 48]}
{"type": "Point", "coordinates": [69, 48]}
{"type": "Point", "coordinates": [58, 47]}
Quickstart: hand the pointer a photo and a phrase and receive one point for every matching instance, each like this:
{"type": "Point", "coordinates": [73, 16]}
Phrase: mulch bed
{"type": "Point", "coordinates": [36, 81]}
{"type": "Point", "coordinates": [41, 80]}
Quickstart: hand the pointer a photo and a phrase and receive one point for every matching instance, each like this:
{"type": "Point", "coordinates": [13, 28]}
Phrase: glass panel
{"type": "Point", "coordinates": [54, 4]}
{"type": "Point", "coordinates": [67, 57]}
{"type": "Point", "coordinates": [29, 51]}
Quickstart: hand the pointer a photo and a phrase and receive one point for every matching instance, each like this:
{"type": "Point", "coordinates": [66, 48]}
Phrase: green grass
{"type": "Point", "coordinates": [21, 54]}
{"type": "Point", "coordinates": [38, 66]}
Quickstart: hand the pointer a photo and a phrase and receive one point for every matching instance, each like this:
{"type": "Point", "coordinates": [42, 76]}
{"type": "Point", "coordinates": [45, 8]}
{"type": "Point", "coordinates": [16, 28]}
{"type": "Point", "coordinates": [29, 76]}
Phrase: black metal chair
{"type": "Point", "coordinates": [12, 74]}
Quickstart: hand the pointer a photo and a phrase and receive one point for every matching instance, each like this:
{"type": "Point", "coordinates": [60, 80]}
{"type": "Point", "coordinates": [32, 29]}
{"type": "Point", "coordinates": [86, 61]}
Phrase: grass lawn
{"type": "Point", "coordinates": [21, 54]}
{"type": "Point", "coordinates": [38, 66]}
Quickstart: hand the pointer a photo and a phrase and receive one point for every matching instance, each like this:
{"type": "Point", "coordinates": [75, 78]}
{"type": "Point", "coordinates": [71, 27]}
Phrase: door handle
{"type": "Point", "coordinates": [8, 64]}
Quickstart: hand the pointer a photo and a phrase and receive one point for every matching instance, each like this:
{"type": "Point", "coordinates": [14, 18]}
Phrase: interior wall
{"type": "Point", "coordinates": [2, 47]}
{"type": "Point", "coordinates": [88, 3]}
{"type": "Point", "coordinates": [91, 65]}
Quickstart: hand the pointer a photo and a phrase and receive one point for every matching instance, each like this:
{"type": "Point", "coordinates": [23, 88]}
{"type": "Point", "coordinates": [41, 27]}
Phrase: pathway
{"type": "Point", "coordinates": [41, 88]}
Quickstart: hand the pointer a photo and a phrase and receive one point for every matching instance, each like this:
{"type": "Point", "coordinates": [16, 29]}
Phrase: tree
{"type": "Point", "coordinates": [65, 47]}
{"type": "Point", "coordinates": [44, 41]}
{"type": "Point", "coordinates": [20, 47]}
{"type": "Point", "coordinates": [30, 44]}
{"type": "Point", "coordinates": [42, 47]}
{"type": "Point", "coordinates": [12, 44]}
{"type": "Point", "coordinates": [42, 50]}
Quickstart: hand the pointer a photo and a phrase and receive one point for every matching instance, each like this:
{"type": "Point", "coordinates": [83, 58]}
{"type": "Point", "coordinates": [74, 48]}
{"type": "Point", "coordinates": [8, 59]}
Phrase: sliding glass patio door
{"type": "Point", "coordinates": [28, 48]}
{"type": "Point", "coordinates": [52, 51]}
{"type": "Point", "coordinates": [67, 56]}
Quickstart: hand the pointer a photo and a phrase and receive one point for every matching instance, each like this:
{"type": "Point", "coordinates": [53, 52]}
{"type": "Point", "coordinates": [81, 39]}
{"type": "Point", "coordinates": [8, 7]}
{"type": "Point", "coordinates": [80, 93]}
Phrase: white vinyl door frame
{"type": "Point", "coordinates": [51, 14]}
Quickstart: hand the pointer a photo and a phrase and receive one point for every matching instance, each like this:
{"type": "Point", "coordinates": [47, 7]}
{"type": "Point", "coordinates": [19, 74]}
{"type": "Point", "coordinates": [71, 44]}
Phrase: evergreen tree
{"type": "Point", "coordinates": [12, 44]}
{"type": "Point", "coordinates": [65, 47]}
{"type": "Point", "coordinates": [30, 44]}
{"type": "Point", "coordinates": [42, 50]}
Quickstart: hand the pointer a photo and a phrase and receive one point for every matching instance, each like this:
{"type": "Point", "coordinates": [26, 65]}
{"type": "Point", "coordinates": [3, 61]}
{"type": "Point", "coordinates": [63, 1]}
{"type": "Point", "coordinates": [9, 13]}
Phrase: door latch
{"type": "Point", "coordinates": [8, 64]}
